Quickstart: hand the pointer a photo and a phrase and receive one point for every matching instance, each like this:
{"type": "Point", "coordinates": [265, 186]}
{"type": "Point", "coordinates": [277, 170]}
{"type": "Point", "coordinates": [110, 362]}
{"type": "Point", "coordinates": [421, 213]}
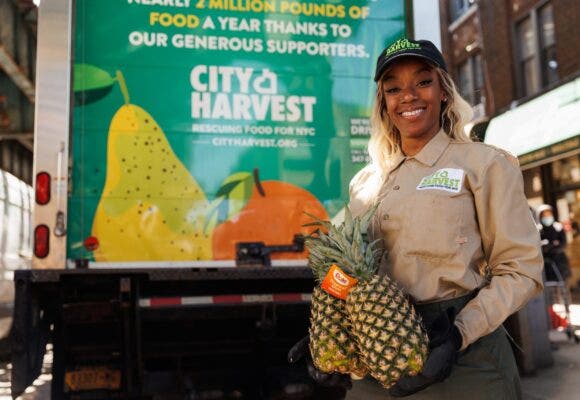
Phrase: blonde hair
{"type": "Point", "coordinates": [385, 141]}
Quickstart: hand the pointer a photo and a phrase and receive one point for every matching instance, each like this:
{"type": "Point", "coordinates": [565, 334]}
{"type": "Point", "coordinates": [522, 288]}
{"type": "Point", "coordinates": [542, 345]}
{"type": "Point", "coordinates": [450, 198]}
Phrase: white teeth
{"type": "Point", "coordinates": [411, 113]}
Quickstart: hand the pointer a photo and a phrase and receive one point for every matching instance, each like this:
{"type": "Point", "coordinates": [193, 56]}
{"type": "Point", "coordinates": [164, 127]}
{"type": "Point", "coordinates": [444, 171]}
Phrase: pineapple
{"type": "Point", "coordinates": [389, 336]}
{"type": "Point", "coordinates": [389, 333]}
{"type": "Point", "coordinates": [332, 346]}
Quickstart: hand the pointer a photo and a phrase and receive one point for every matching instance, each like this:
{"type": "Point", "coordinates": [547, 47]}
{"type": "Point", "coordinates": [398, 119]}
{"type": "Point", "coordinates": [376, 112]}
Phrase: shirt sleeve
{"type": "Point", "coordinates": [511, 244]}
{"type": "Point", "coordinates": [363, 190]}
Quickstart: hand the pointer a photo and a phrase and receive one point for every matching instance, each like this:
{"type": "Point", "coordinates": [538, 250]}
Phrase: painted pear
{"type": "Point", "coordinates": [151, 208]}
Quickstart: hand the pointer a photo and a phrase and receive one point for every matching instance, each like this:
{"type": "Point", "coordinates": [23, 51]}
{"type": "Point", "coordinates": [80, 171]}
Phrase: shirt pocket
{"type": "Point", "coordinates": [388, 221]}
{"type": "Point", "coordinates": [433, 224]}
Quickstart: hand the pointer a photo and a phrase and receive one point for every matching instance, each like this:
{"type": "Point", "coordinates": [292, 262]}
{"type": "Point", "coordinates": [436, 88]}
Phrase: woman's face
{"type": "Point", "coordinates": [413, 95]}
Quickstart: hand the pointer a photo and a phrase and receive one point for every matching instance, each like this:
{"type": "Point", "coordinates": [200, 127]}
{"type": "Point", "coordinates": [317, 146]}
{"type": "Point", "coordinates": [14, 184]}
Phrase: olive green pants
{"type": "Point", "coordinates": [485, 370]}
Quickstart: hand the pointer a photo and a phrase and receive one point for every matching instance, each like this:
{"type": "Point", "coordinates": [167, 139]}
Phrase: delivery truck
{"type": "Point", "coordinates": [180, 148]}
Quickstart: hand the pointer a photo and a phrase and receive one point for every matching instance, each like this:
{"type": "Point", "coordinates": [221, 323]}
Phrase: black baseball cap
{"type": "Point", "coordinates": [408, 47]}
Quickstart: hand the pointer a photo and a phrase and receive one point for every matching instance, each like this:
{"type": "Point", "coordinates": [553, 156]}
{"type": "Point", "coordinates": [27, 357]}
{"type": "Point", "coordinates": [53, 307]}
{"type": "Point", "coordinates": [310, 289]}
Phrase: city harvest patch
{"type": "Point", "coordinates": [448, 179]}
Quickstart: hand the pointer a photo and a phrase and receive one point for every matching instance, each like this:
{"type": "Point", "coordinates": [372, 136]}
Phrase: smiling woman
{"type": "Point", "coordinates": [413, 97]}
{"type": "Point", "coordinates": [442, 202]}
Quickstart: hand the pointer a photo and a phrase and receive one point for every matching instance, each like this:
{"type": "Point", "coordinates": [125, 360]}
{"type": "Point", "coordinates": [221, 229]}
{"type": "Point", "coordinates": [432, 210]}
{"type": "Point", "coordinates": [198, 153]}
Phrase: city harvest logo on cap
{"type": "Point", "coordinates": [409, 48]}
{"type": "Point", "coordinates": [401, 44]}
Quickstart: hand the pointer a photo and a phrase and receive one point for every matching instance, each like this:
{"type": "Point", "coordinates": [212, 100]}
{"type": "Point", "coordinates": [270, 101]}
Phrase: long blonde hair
{"type": "Point", "coordinates": [385, 141]}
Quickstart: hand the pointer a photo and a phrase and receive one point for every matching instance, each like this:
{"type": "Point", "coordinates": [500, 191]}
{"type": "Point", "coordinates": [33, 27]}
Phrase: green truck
{"type": "Point", "coordinates": [178, 145]}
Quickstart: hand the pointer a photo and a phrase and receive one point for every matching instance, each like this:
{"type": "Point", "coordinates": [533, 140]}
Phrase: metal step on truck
{"type": "Point", "coordinates": [179, 146]}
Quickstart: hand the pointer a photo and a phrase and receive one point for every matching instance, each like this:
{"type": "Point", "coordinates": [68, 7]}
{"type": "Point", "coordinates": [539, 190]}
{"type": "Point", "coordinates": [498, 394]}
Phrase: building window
{"type": "Point", "coordinates": [537, 50]}
{"type": "Point", "coordinates": [548, 45]}
{"type": "Point", "coordinates": [459, 7]}
{"type": "Point", "coordinates": [470, 80]}
{"type": "Point", "coordinates": [528, 57]}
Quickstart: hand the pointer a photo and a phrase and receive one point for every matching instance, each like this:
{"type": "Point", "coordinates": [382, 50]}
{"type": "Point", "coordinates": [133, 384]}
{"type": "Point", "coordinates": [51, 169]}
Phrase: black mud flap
{"type": "Point", "coordinates": [29, 335]}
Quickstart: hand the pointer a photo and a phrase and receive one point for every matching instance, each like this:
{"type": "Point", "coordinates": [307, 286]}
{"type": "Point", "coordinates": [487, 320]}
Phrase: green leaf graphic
{"type": "Point", "coordinates": [232, 196]}
{"type": "Point", "coordinates": [89, 77]}
{"type": "Point", "coordinates": [90, 83]}
{"type": "Point", "coordinates": [226, 188]}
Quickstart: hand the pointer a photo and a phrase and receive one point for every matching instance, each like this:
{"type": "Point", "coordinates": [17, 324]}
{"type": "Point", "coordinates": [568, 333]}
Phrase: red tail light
{"type": "Point", "coordinates": [42, 188]}
{"type": "Point", "coordinates": [41, 238]}
{"type": "Point", "coordinates": [91, 243]}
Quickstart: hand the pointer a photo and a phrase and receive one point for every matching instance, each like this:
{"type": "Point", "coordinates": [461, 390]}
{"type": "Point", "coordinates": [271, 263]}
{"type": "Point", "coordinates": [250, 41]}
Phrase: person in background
{"type": "Point", "coordinates": [553, 237]}
{"type": "Point", "coordinates": [455, 225]}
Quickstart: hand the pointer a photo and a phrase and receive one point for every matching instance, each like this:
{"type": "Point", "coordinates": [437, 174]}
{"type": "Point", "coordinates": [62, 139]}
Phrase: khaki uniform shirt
{"type": "Point", "coordinates": [453, 219]}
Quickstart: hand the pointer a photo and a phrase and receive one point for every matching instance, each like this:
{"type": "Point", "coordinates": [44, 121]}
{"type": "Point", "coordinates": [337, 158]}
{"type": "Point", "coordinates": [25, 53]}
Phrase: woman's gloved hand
{"type": "Point", "coordinates": [301, 350]}
{"type": "Point", "coordinates": [445, 341]}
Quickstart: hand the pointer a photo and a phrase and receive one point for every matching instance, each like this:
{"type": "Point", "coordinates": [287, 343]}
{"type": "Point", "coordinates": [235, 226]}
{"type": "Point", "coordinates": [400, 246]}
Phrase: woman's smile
{"type": "Point", "coordinates": [413, 114]}
{"type": "Point", "coordinates": [413, 97]}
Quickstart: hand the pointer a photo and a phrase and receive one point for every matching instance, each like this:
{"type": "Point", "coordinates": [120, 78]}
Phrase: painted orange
{"type": "Point", "coordinates": [273, 219]}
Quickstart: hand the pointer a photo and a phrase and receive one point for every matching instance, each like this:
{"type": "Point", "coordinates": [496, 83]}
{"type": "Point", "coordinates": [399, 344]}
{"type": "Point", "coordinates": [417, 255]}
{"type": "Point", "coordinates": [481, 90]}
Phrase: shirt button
{"type": "Point", "coordinates": [396, 187]}
{"type": "Point", "coordinates": [386, 216]}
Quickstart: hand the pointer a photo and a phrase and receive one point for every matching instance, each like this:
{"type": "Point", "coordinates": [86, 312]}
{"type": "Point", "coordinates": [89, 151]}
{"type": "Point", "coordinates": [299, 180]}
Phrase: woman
{"type": "Point", "coordinates": [456, 227]}
{"type": "Point", "coordinates": [445, 206]}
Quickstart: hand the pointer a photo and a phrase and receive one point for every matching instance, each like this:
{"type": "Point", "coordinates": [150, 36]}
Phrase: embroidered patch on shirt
{"type": "Point", "coordinates": [448, 179]}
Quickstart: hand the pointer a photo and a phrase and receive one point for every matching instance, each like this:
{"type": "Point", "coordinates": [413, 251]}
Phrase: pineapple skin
{"type": "Point", "coordinates": [388, 331]}
{"type": "Point", "coordinates": [332, 346]}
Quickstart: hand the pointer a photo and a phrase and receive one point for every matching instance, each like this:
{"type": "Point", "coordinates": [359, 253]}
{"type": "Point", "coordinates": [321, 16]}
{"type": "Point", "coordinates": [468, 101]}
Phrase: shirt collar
{"type": "Point", "coordinates": [428, 155]}
{"type": "Point", "coordinates": [431, 152]}
{"type": "Point", "coordinates": [396, 160]}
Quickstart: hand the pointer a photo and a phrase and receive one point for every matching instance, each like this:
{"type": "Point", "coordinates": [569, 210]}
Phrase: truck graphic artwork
{"type": "Point", "coordinates": [175, 110]}
{"type": "Point", "coordinates": [151, 208]}
{"type": "Point", "coordinates": [184, 150]}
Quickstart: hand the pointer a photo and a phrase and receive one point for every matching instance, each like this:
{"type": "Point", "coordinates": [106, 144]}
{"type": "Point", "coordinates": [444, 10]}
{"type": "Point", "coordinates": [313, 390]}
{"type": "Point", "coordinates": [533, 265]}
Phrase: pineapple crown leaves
{"type": "Point", "coordinates": [346, 245]}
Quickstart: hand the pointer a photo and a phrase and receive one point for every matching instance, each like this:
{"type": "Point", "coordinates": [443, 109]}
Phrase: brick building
{"type": "Point", "coordinates": [518, 63]}
{"type": "Point", "coordinates": [505, 51]}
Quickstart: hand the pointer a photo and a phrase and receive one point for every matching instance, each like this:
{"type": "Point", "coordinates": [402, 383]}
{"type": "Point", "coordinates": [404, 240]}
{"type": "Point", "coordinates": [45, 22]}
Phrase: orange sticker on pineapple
{"type": "Point", "coordinates": [337, 283]}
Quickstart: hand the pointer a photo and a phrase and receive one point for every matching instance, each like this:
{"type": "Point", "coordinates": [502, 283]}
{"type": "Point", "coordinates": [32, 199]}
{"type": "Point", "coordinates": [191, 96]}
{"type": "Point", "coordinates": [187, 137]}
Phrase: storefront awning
{"type": "Point", "coordinates": [530, 130]}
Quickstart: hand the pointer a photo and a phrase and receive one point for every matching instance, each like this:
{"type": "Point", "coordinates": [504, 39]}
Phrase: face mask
{"type": "Point", "coordinates": [547, 221]}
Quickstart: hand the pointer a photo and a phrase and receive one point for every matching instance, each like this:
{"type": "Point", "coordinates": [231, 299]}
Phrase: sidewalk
{"type": "Point", "coordinates": [559, 382]}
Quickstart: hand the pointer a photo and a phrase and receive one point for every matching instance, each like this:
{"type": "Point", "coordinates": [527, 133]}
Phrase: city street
{"type": "Point", "coordinates": [559, 382]}
{"type": "Point", "coordinates": [187, 188]}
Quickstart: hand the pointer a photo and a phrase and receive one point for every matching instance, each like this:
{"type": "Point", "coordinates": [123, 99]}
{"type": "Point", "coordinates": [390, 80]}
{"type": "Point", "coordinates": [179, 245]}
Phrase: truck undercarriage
{"type": "Point", "coordinates": [165, 333]}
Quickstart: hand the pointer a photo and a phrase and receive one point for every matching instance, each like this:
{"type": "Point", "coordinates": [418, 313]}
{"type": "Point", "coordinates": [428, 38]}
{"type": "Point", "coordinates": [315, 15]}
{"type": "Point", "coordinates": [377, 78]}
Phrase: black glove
{"type": "Point", "coordinates": [444, 341]}
{"type": "Point", "coordinates": [301, 350]}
